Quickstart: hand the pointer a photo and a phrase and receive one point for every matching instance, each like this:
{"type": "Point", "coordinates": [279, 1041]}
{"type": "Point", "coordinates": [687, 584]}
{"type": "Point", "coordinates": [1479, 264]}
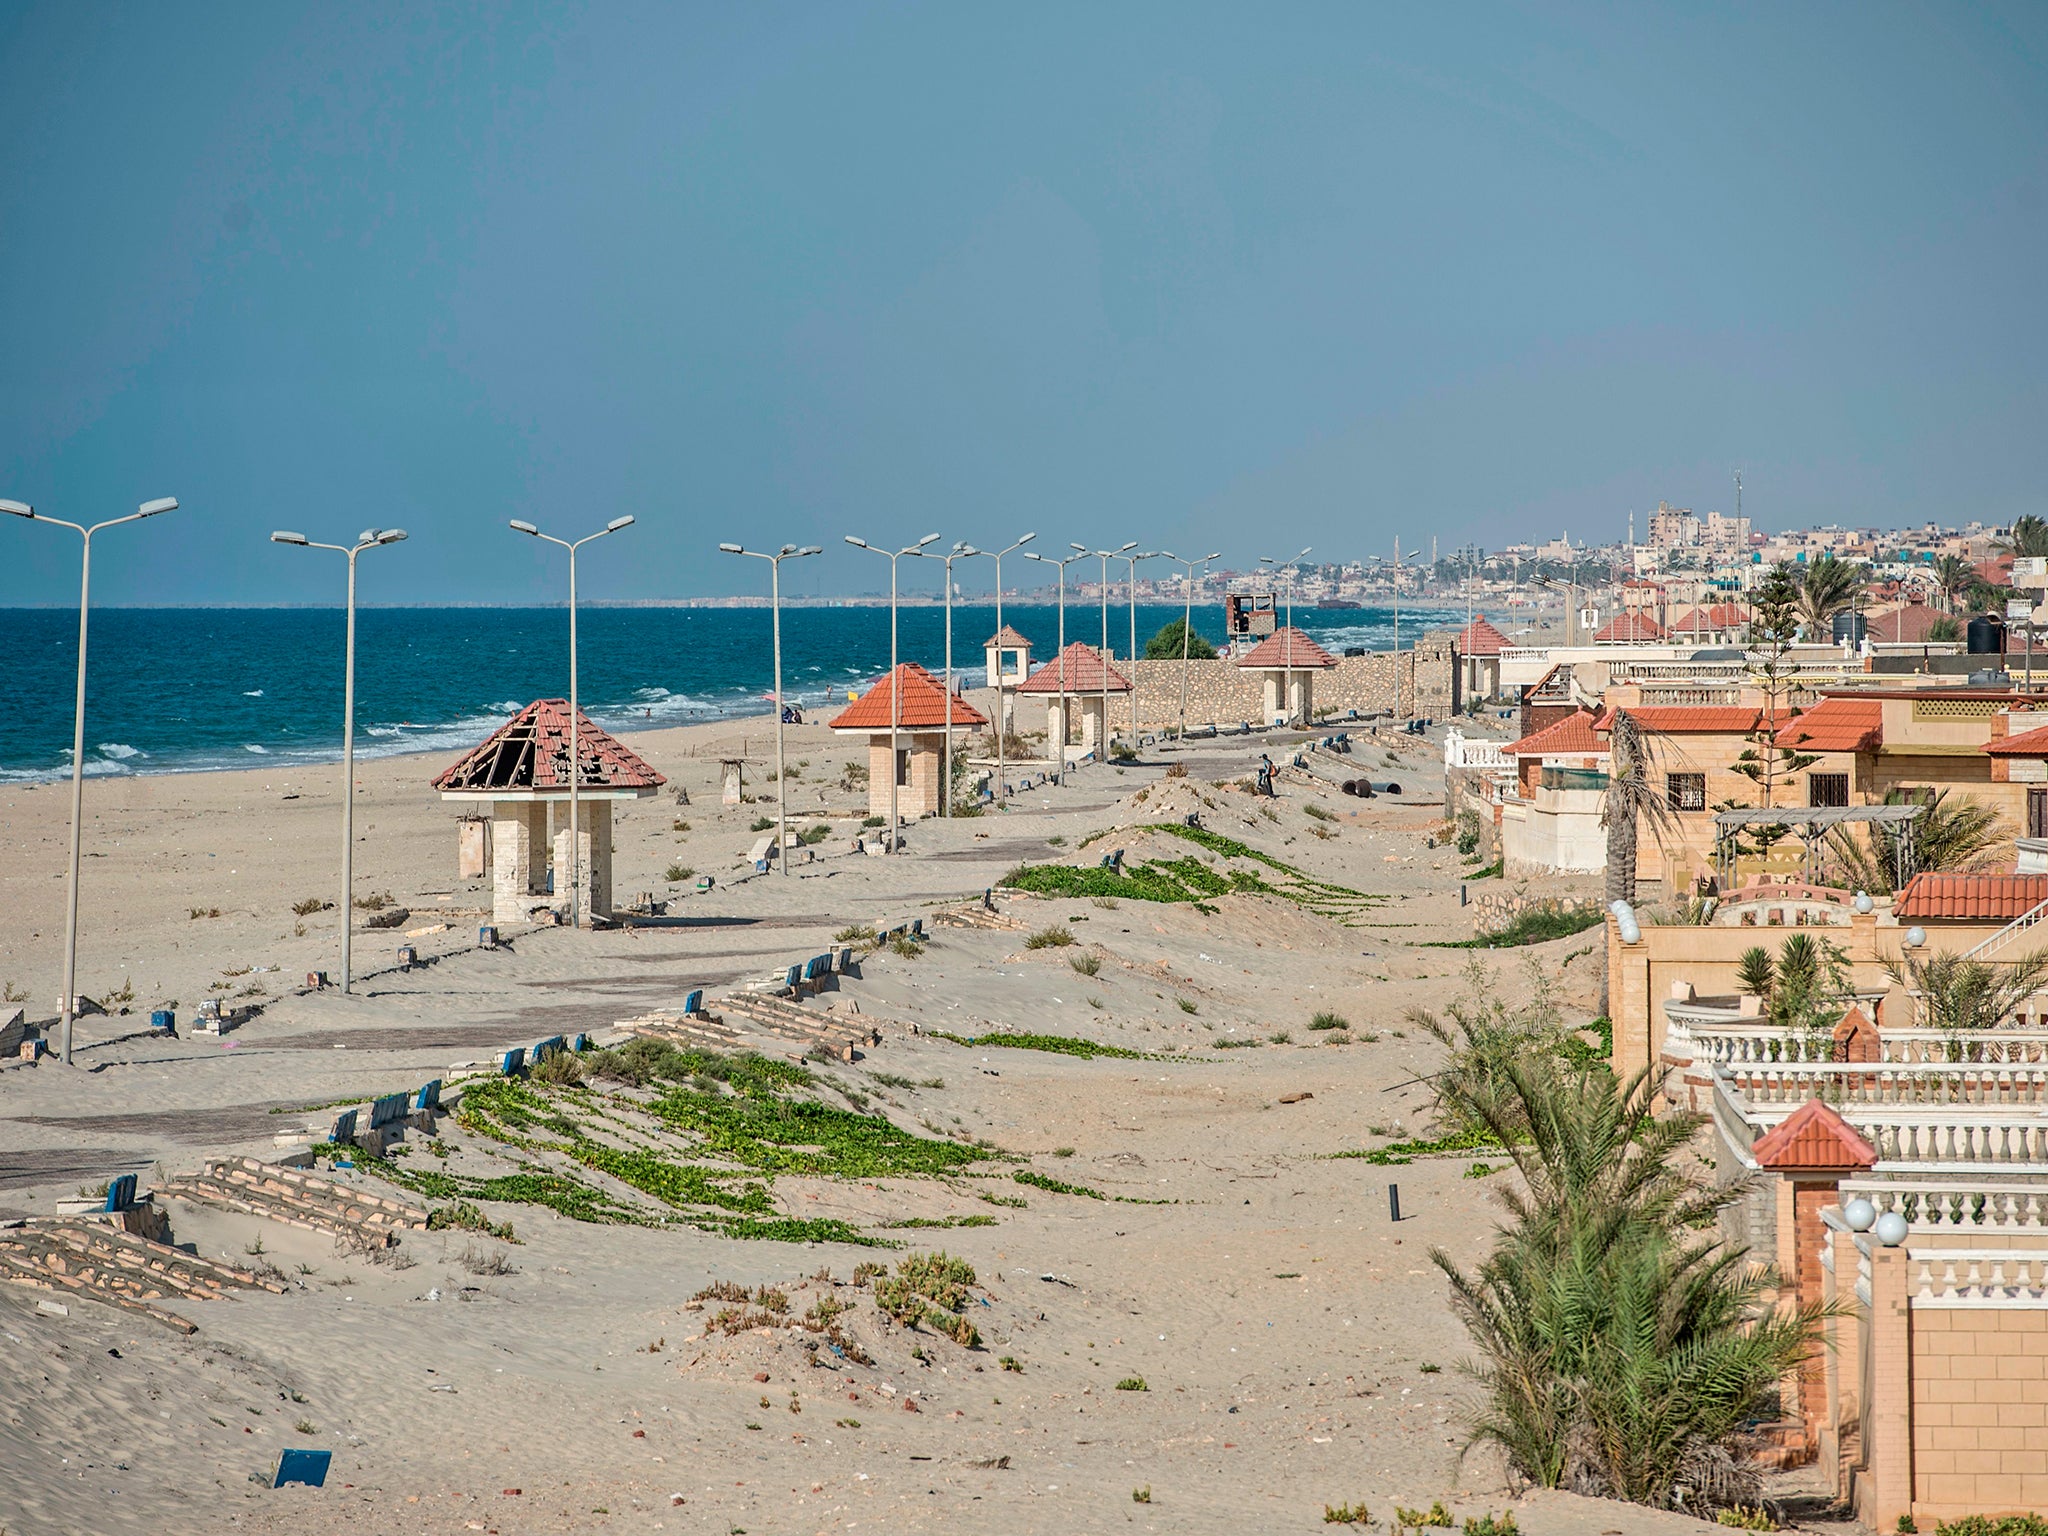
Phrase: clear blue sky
{"type": "Point", "coordinates": [1249, 276]}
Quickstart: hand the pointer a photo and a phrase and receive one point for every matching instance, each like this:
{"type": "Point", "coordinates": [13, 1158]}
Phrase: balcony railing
{"type": "Point", "coordinates": [1849, 1085]}
{"type": "Point", "coordinates": [1969, 1207]}
{"type": "Point", "coordinates": [1737, 1046]}
{"type": "Point", "coordinates": [1978, 1277]}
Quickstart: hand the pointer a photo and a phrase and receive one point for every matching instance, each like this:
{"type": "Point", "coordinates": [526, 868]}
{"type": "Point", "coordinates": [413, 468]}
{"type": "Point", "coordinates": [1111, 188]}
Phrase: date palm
{"type": "Point", "coordinates": [1952, 575]}
{"type": "Point", "coordinates": [1826, 588]}
{"type": "Point", "coordinates": [1632, 801]}
{"type": "Point", "coordinates": [1957, 993]}
{"type": "Point", "coordinates": [2029, 537]}
{"type": "Point", "coordinates": [1951, 836]}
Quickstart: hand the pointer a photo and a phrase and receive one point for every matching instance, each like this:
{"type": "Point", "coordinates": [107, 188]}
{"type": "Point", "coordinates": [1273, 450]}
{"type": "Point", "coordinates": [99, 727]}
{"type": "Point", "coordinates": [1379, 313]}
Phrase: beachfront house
{"type": "Point", "coordinates": [522, 772]}
{"type": "Point", "coordinates": [925, 713]}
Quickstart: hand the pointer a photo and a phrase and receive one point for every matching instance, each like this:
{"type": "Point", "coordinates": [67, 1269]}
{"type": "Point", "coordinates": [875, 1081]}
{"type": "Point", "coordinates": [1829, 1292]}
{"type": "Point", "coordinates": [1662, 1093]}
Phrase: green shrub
{"type": "Point", "coordinates": [1087, 965]}
{"type": "Point", "coordinates": [1328, 1021]}
{"type": "Point", "coordinates": [677, 872]}
{"type": "Point", "coordinates": [763, 824]}
{"type": "Point", "coordinates": [1054, 937]}
{"type": "Point", "coordinates": [1132, 1384]}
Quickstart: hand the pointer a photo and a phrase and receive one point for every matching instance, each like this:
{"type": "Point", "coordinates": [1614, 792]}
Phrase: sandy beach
{"type": "Point", "coordinates": [1184, 1224]}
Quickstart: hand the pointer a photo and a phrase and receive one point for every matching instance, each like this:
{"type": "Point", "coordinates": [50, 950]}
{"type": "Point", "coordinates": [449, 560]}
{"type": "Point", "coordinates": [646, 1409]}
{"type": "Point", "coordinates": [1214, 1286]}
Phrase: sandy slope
{"type": "Point", "coordinates": [1281, 1322]}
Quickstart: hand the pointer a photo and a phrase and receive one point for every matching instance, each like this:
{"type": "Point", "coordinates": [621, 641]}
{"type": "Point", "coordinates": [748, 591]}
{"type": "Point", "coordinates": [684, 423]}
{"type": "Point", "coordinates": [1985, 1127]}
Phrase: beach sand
{"type": "Point", "coordinates": [1295, 1344]}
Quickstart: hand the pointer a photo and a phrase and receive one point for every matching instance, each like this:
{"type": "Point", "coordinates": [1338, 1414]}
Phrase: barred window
{"type": "Point", "coordinates": [1686, 791]}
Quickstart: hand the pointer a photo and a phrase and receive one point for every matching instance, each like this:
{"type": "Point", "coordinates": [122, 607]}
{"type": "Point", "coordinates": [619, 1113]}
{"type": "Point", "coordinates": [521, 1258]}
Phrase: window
{"type": "Point", "coordinates": [1686, 791]}
{"type": "Point", "coordinates": [1827, 789]}
{"type": "Point", "coordinates": [2037, 813]}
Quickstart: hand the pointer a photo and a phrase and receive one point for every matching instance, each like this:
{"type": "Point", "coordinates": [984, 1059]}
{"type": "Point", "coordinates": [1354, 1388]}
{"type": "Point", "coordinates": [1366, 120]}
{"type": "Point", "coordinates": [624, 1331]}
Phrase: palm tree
{"type": "Point", "coordinates": [2029, 537]}
{"type": "Point", "coordinates": [1957, 993]}
{"type": "Point", "coordinates": [1622, 1348]}
{"type": "Point", "coordinates": [1951, 836]}
{"type": "Point", "coordinates": [1630, 801]}
{"type": "Point", "coordinates": [1826, 588]}
{"type": "Point", "coordinates": [1952, 573]}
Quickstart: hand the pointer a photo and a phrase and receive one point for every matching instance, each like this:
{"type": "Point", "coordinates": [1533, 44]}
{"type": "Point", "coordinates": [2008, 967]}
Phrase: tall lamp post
{"type": "Point", "coordinates": [895, 682]}
{"type": "Point", "coordinates": [1102, 661]}
{"type": "Point", "coordinates": [1002, 690]}
{"type": "Point", "coordinates": [369, 538]}
{"type": "Point", "coordinates": [575, 713]}
{"type": "Point", "coordinates": [1187, 623]}
{"type": "Point", "coordinates": [1060, 749]}
{"type": "Point", "coordinates": [1398, 558]}
{"type": "Point", "coordinates": [787, 552]}
{"type": "Point", "coordinates": [23, 509]}
{"type": "Point", "coordinates": [958, 551]}
{"type": "Point", "coordinates": [1132, 562]}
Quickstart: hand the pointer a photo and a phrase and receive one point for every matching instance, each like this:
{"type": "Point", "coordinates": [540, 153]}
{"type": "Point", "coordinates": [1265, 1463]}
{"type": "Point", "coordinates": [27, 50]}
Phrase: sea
{"type": "Point", "coordinates": [174, 690]}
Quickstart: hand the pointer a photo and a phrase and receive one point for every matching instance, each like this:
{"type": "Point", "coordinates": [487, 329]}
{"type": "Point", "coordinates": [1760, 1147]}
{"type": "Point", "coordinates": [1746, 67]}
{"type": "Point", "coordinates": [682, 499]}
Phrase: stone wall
{"type": "Point", "coordinates": [1221, 693]}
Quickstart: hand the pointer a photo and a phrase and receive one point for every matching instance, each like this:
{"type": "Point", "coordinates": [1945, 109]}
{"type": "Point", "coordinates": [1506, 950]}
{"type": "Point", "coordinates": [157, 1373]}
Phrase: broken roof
{"type": "Point", "coordinates": [1083, 670]}
{"type": "Point", "coordinates": [1287, 647]}
{"type": "Point", "coordinates": [529, 755]}
{"type": "Point", "coordinates": [921, 705]}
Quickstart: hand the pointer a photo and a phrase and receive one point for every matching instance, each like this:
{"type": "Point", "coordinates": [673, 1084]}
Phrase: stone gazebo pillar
{"type": "Point", "coordinates": [1811, 1152]}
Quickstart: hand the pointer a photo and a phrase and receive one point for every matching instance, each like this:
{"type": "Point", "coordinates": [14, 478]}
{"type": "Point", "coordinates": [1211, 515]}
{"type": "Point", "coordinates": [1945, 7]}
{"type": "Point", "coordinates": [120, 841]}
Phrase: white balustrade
{"type": "Point", "coordinates": [1756, 1043]}
{"type": "Point", "coordinates": [1923, 1084]}
{"type": "Point", "coordinates": [1951, 1206]}
{"type": "Point", "coordinates": [2008, 1132]}
{"type": "Point", "coordinates": [1981, 1277]}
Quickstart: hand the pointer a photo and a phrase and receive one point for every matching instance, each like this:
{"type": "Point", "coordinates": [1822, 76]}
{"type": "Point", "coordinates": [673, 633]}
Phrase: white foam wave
{"type": "Point", "coordinates": [252, 693]}
{"type": "Point", "coordinates": [252, 747]}
{"type": "Point", "coordinates": [119, 750]}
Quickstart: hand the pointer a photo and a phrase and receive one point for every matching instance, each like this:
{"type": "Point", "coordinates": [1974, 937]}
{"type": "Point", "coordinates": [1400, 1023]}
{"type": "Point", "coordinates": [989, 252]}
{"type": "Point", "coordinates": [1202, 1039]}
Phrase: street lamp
{"type": "Point", "coordinates": [1002, 689]}
{"type": "Point", "coordinates": [895, 682]}
{"type": "Point", "coordinates": [1132, 562]}
{"type": "Point", "coordinates": [946, 771]}
{"type": "Point", "coordinates": [1102, 660]}
{"type": "Point", "coordinates": [23, 509]}
{"type": "Point", "coordinates": [1060, 753]}
{"type": "Point", "coordinates": [575, 716]}
{"type": "Point", "coordinates": [1398, 558]}
{"type": "Point", "coordinates": [369, 538]}
{"type": "Point", "coordinates": [787, 552]}
{"type": "Point", "coordinates": [1187, 623]}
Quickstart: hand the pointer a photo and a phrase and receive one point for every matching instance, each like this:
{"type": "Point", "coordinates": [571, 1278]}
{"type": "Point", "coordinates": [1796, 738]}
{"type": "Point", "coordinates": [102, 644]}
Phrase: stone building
{"type": "Point", "coordinates": [1286, 663]}
{"type": "Point", "coordinates": [522, 772]}
{"type": "Point", "coordinates": [1085, 680]}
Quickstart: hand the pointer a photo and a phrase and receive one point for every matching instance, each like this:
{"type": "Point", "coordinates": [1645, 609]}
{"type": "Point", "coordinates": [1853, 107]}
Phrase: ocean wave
{"type": "Point", "coordinates": [120, 750]}
{"type": "Point", "coordinates": [252, 747]}
{"type": "Point", "coordinates": [252, 693]}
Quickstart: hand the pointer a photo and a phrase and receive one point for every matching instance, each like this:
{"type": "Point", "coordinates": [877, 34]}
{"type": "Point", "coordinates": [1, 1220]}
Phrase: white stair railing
{"type": "Point", "coordinates": [2008, 933]}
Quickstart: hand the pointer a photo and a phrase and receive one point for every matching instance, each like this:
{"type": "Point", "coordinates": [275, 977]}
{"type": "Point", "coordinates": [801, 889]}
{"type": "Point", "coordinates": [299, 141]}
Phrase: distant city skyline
{"type": "Point", "coordinates": [1194, 275]}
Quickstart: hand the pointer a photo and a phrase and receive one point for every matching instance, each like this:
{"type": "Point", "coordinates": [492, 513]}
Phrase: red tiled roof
{"type": "Point", "coordinates": [1692, 719]}
{"type": "Point", "coordinates": [1480, 638]}
{"type": "Point", "coordinates": [531, 751]}
{"type": "Point", "coordinates": [1084, 670]}
{"type": "Point", "coordinates": [921, 704]}
{"type": "Point", "coordinates": [1836, 724]}
{"type": "Point", "coordinates": [1008, 639]}
{"type": "Point", "coordinates": [2032, 743]}
{"type": "Point", "coordinates": [1716, 616]}
{"type": "Point", "coordinates": [1627, 627]}
{"type": "Point", "coordinates": [1813, 1137]}
{"type": "Point", "coordinates": [1571, 735]}
{"type": "Point", "coordinates": [1288, 647]}
{"type": "Point", "coordinates": [1911, 624]}
{"type": "Point", "coordinates": [1964, 897]}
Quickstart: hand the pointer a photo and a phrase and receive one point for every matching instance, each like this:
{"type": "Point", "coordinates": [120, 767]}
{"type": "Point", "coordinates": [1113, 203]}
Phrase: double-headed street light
{"type": "Point", "coordinates": [1060, 750]}
{"type": "Point", "coordinates": [1132, 576]}
{"type": "Point", "coordinates": [895, 681]}
{"type": "Point", "coordinates": [1105, 555]}
{"type": "Point", "coordinates": [1187, 622]}
{"type": "Point", "coordinates": [575, 718]}
{"type": "Point", "coordinates": [369, 538]}
{"type": "Point", "coordinates": [23, 509]}
{"type": "Point", "coordinates": [1002, 688]}
{"type": "Point", "coordinates": [787, 552]}
{"type": "Point", "coordinates": [958, 551]}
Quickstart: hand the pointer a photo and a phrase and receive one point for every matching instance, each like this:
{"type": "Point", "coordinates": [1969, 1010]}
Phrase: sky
{"type": "Point", "coordinates": [1247, 277]}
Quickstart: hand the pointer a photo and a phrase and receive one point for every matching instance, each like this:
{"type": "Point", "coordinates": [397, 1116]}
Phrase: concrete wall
{"type": "Point", "coordinates": [1219, 693]}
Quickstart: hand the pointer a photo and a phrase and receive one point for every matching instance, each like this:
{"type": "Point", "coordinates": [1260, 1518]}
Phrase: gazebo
{"type": "Point", "coordinates": [1078, 672]}
{"type": "Point", "coordinates": [1009, 663]}
{"type": "Point", "coordinates": [1287, 661]}
{"type": "Point", "coordinates": [1479, 646]}
{"type": "Point", "coordinates": [522, 772]}
{"type": "Point", "coordinates": [923, 709]}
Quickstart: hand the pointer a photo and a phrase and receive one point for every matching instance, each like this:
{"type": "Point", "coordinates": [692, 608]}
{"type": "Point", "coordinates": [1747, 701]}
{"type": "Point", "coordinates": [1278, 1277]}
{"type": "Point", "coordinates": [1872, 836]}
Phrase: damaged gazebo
{"type": "Point", "coordinates": [522, 770]}
{"type": "Point", "coordinates": [1812, 824]}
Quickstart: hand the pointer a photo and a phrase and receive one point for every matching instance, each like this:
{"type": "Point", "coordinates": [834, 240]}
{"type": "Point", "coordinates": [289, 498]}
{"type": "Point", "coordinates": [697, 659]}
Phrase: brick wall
{"type": "Point", "coordinates": [1980, 1409]}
